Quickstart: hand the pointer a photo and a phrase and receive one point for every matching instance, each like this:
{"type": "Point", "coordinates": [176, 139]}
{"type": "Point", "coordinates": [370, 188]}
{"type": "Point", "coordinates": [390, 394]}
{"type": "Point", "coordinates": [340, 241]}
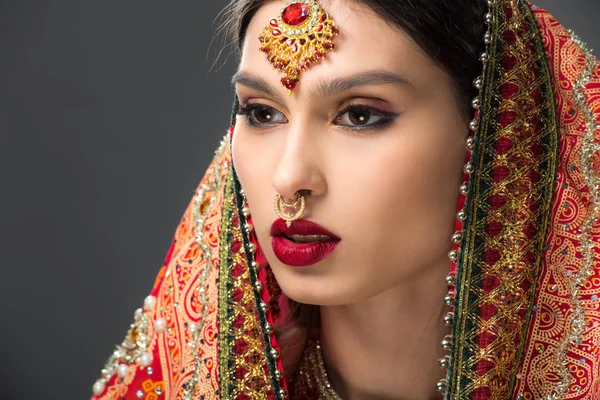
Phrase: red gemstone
{"type": "Point", "coordinates": [274, 23]}
{"type": "Point", "coordinates": [319, 28]}
{"type": "Point", "coordinates": [328, 45]}
{"type": "Point", "coordinates": [295, 14]}
{"type": "Point", "coordinates": [276, 32]}
{"type": "Point", "coordinates": [283, 39]}
{"type": "Point", "coordinates": [335, 30]}
{"type": "Point", "coordinates": [291, 42]}
{"type": "Point", "coordinates": [323, 18]}
{"type": "Point", "coordinates": [302, 42]}
{"type": "Point", "coordinates": [312, 36]}
{"type": "Point", "coordinates": [289, 84]}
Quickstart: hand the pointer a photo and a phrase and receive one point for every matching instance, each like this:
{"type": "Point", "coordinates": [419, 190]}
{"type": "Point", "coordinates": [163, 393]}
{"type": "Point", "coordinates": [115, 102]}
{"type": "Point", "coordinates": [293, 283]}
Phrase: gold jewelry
{"type": "Point", "coordinates": [312, 377]}
{"type": "Point", "coordinates": [279, 204]}
{"type": "Point", "coordinates": [297, 38]}
{"type": "Point", "coordinates": [290, 205]}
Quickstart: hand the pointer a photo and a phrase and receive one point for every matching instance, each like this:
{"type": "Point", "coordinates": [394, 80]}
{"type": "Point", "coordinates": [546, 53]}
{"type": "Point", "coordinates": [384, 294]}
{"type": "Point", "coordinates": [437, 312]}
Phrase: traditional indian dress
{"type": "Point", "coordinates": [523, 274]}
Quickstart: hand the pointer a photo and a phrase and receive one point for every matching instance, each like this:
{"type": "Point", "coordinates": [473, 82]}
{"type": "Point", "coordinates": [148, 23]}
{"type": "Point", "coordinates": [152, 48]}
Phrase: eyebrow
{"type": "Point", "coordinates": [328, 88]}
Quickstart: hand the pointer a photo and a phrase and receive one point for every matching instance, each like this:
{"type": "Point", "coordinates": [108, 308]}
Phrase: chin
{"type": "Point", "coordinates": [313, 289]}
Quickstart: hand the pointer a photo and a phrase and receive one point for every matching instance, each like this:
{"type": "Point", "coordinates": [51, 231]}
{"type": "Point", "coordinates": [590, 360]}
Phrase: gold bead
{"type": "Point", "coordinates": [468, 168]}
{"type": "Point", "coordinates": [470, 143]}
{"type": "Point", "coordinates": [444, 362]}
{"type": "Point", "coordinates": [487, 38]}
{"type": "Point", "coordinates": [464, 188]}
{"type": "Point", "coordinates": [476, 102]}
{"type": "Point", "coordinates": [450, 280]}
{"type": "Point", "coordinates": [447, 343]}
{"type": "Point", "coordinates": [448, 318]}
{"type": "Point", "coordinates": [448, 300]}
{"type": "Point", "coordinates": [457, 237]}
{"type": "Point", "coordinates": [473, 125]}
{"type": "Point", "coordinates": [264, 306]}
{"type": "Point", "coordinates": [453, 255]}
{"type": "Point", "coordinates": [274, 353]}
{"type": "Point", "coordinates": [462, 215]}
{"type": "Point", "coordinates": [442, 385]}
{"type": "Point", "coordinates": [478, 82]}
{"type": "Point", "coordinates": [268, 328]}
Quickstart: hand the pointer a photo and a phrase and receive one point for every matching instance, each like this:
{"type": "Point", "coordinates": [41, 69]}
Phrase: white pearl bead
{"type": "Point", "coordinates": [149, 302]}
{"type": "Point", "coordinates": [98, 388]}
{"type": "Point", "coordinates": [122, 370]}
{"type": "Point", "coordinates": [160, 325]}
{"type": "Point", "coordinates": [146, 359]}
{"type": "Point", "coordinates": [138, 313]}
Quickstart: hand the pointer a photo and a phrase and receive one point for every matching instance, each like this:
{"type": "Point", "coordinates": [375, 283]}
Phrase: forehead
{"type": "Point", "coordinates": [365, 42]}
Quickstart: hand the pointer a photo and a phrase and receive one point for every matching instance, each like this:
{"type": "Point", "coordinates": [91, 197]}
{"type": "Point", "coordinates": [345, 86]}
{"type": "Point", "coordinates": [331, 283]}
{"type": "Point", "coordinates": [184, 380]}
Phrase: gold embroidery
{"type": "Point", "coordinates": [576, 329]}
{"type": "Point", "coordinates": [508, 211]}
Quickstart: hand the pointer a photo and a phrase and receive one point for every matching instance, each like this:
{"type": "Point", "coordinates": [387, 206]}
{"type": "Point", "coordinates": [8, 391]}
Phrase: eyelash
{"type": "Point", "coordinates": [386, 117]}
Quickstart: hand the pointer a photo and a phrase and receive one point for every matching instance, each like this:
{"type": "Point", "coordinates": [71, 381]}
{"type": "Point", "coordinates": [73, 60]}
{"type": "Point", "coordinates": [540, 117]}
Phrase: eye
{"type": "Point", "coordinates": [260, 115]}
{"type": "Point", "coordinates": [360, 116]}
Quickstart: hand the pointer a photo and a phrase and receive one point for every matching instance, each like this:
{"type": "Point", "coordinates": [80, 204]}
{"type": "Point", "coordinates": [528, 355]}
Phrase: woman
{"type": "Point", "coordinates": [397, 175]}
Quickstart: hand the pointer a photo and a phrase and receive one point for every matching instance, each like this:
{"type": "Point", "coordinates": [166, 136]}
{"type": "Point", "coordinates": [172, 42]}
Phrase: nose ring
{"type": "Point", "coordinates": [279, 204]}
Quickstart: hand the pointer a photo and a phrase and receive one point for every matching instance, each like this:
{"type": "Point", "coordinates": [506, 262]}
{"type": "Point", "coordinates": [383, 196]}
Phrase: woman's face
{"type": "Point", "coordinates": [379, 158]}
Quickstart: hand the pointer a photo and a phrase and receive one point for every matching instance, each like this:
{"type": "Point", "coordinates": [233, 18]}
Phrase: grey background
{"type": "Point", "coordinates": [109, 115]}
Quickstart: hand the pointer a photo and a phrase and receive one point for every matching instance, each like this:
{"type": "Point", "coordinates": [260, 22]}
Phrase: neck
{"type": "Point", "coordinates": [388, 346]}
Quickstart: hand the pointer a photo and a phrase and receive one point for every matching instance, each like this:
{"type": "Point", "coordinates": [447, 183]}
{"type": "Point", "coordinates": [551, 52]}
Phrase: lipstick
{"type": "Point", "coordinates": [302, 244]}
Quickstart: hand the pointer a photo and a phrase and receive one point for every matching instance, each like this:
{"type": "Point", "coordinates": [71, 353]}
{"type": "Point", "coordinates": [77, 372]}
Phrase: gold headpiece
{"type": "Point", "coordinates": [299, 37]}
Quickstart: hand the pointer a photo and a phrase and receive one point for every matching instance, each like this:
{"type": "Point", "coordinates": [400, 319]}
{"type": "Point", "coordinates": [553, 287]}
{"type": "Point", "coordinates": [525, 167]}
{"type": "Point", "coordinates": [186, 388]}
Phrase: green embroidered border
{"type": "Point", "coordinates": [462, 376]}
{"type": "Point", "coordinates": [226, 337]}
{"type": "Point", "coordinates": [276, 384]}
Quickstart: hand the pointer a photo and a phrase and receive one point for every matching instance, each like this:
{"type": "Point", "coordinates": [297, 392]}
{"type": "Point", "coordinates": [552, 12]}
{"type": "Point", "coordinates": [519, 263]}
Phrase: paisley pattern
{"type": "Point", "coordinates": [563, 257]}
{"type": "Point", "coordinates": [522, 288]}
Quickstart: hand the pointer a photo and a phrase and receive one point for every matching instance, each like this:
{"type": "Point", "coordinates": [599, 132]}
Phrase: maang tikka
{"type": "Point", "coordinates": [299, 37]}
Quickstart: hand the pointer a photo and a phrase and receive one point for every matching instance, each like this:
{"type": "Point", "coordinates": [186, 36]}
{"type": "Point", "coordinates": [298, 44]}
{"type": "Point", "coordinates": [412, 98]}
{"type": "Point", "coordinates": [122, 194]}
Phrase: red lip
{"type": "Point", "coordinates": [301, 254]}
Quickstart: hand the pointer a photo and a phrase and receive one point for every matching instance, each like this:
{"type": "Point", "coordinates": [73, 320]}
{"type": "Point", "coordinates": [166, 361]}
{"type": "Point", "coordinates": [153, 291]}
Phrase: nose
{"type": "Point", "coordinates": [300, 164]}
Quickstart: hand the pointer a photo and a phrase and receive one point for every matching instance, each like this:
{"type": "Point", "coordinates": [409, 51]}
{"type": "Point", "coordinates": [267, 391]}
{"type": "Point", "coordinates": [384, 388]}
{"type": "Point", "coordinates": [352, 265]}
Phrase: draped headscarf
{"type": "Point", "coordinates": [524, 277]}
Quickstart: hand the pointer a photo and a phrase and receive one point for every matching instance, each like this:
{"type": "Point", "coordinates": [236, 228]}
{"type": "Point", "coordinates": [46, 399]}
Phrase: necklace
{"type": "Point", "coordinates": [312, 382]}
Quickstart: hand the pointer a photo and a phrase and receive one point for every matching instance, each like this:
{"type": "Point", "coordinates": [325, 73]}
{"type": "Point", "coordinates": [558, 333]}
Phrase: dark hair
{"type": "Point", "coordinates": [449, 31]}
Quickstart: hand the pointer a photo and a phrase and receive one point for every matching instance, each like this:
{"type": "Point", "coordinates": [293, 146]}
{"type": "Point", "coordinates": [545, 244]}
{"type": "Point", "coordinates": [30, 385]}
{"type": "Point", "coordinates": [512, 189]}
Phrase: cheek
{"type": "Point", "coordinates": [404, 201]}
{"type": "Point", "coordinates": [253, 165]}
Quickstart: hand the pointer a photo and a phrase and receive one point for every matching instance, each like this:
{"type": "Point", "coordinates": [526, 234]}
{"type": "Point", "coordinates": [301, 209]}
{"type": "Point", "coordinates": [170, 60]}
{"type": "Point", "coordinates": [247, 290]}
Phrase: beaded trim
{"type": "Point", "coordinates": [201, 209]}
{"type": "Point", "coordinates": [506, 215]}
{"type": "Point", "coordinates": [133, 348]}
{"type": "Point", "coordinates": [265, 318]}
{"type": "Point", "coordinates": [461, 216]}
{"type": "Point", "coordinates": [313, 375]}
{"type": "Point", "coordinates": [588, 150]}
